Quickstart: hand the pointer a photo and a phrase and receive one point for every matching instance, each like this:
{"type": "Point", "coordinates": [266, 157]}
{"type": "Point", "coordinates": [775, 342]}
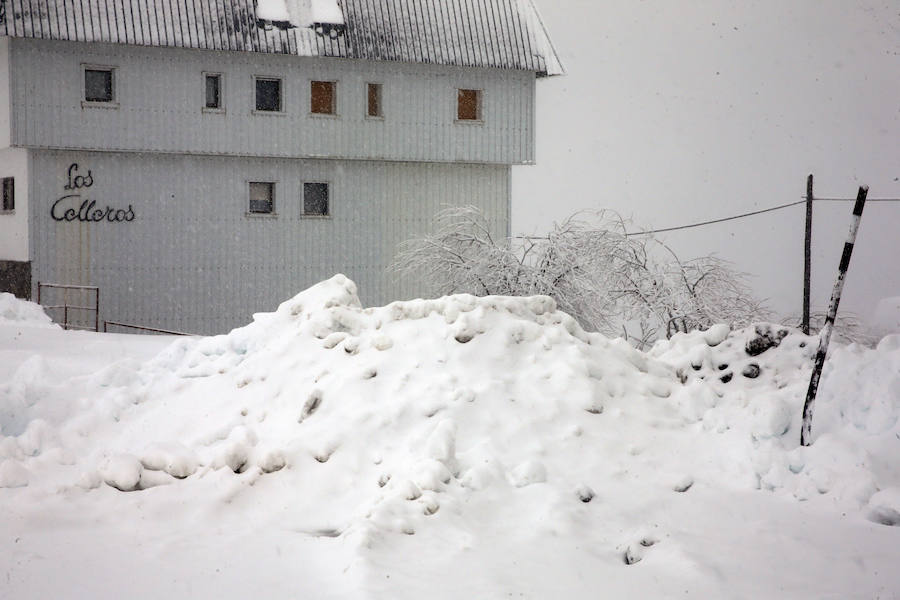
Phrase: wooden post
{"type": "Point", "coordinates": [807, 254]}
{"type": "Point", "coordinates": [825, 334]}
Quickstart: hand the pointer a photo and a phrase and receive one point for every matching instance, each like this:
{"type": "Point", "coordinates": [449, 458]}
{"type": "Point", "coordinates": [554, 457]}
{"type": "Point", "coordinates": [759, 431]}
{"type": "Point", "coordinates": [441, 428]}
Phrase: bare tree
{"type": "Point", "coordinates": [461, 256]}
{"type": "Point", "coordinates": [848, 327]}
{"type": "Point", "coordinates": [681, 296]}
{"type": "Point", "coordinates": [612, 282]}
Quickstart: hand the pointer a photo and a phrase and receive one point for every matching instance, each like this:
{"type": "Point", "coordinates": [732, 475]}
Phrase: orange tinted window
{"type": "Point", "coordinates": [321, 97]}
{"type": "Point", "coordinates": [468, 105]}
{"type": "Point", "coordinates": [374, 103]}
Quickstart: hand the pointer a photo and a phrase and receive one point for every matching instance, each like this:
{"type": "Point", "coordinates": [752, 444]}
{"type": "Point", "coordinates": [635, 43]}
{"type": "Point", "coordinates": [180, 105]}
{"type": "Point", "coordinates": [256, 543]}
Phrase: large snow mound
{"type": "Point", "coordinates": [422, 402]}
{"type": "Point", "coordinates": [15, 311]}
{"type": "Point", "coordinates": [388, 412]}
{"type": "Point", "coordinates": [457, 415]}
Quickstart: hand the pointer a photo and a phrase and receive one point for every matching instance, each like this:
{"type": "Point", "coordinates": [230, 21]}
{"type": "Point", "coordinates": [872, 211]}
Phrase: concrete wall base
{"type": "Point", "coordinates": [15, 278]}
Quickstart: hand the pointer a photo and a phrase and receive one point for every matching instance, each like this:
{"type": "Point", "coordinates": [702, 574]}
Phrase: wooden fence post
{"type": "Point", "coordinates": [807, 254]}
{"type": "Point", "coordinates": [825, 334]}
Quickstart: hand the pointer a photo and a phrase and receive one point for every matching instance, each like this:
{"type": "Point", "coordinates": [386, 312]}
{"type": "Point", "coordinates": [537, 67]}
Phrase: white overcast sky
{"type": "Point", "coordinates": [674, 112]}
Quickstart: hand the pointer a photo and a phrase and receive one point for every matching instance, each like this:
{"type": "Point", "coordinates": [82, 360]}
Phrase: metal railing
{"type": "Point", "coordinates": [106, 325]}
{"type": "Point", "coordinates": [67, 307]}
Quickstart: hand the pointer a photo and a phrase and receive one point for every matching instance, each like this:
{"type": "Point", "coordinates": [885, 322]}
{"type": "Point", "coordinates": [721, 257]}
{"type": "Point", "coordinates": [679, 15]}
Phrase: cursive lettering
{"type": "Point", "coordinates": [76, 181]}
{"type": "Point", "coordinates": [88, 211]}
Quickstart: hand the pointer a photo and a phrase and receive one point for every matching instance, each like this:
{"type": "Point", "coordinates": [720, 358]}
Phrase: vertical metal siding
{"type": "Point", "coordinates": [192, 260]}
{"type": "Point", "coordinates": [160, 99]}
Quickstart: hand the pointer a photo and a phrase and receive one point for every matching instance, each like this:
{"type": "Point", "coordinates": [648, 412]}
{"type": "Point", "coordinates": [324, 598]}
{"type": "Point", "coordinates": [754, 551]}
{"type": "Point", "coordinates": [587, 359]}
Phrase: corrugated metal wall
{"type": "Point", "coordinates": [192, 260]}
{"type": "Point", "coordinates": [159, 93]}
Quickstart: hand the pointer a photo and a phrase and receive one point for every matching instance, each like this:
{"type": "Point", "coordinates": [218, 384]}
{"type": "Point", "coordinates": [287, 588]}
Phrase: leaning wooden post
{"type": "Point", "coordinates": [825, 334]}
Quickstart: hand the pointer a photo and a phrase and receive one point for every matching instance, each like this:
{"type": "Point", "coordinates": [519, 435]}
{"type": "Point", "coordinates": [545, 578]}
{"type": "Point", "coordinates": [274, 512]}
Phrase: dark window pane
{"type": "Point", "coordinates": [213, 89]}
{"type": "Point", "coordinates": [374, 104]}
{"type": "Point", "coordinates": [9, 194]}
{"type": "Point", "coordinates": [315, 198]}
{"type": "Point", "coordinates": [321, 97]}
{"type": "Point", "coordinates": [262, 197]}
{"type": "Point", "coordinates": [467, 105]}
{"type": "Point", "coordinates": [98, 85]}
{"type": "Point", "coordinates": [268, 94]}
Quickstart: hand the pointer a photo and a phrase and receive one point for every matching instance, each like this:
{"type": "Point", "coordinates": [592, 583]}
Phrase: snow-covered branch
{"type": "Point", "coordinates": [611, 282]}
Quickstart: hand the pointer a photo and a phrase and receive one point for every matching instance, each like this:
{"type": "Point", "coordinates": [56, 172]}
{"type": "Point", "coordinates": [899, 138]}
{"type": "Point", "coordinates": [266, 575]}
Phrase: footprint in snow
{"type": "Point", "coordinates": [584, 493]}
{"type": "Point", "coordinates": [311, 405]}
{"type": "Point", "coordinates": [684, 484]}
{"type": "Point", "coordinates": [635, 552]}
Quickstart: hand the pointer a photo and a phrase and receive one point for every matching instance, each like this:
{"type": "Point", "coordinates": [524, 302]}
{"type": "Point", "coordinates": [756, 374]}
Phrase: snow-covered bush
{"type": "Point", "coordinates": [611, 281]}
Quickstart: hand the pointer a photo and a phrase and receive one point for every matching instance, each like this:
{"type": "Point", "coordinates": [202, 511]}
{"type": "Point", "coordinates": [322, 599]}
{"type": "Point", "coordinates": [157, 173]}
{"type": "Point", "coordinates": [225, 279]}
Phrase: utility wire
{"type": "Point", "coordinates": [815, 199]}
{"type": "Point", "coordinates": [741, 216]}
{"type": "Point", "coordinates": [758, 212]}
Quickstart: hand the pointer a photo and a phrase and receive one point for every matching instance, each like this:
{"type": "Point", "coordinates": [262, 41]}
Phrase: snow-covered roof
{"type": "Point", "coordinates": [505, 34]}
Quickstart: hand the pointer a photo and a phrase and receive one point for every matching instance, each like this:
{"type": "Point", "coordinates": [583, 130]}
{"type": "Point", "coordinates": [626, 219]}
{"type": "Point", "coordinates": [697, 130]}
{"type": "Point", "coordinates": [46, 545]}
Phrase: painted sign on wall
{"type": "Point", "coordinates": [77, 207]}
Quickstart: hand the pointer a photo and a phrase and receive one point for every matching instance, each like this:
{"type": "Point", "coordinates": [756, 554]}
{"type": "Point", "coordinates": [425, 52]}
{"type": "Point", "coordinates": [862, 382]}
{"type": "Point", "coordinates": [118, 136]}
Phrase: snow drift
{"type": "Point", "coordinates": [459, 415]}
{"type": "Point", "coordinates": [18, 312]}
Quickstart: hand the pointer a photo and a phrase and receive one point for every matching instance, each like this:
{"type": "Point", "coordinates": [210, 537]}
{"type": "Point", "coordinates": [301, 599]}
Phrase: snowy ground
{"type": "Point", "coordinates": [450, 448]}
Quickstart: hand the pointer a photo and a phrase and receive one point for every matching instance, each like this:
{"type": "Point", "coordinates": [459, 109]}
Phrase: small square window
{"type": "Point", "coordinates": [468, 105]}
{"type": "Point", "coordinates": [98, 85]}
{"type": "Point", "coordinates": [262, 197]}
{"type": "Point", "coordinates": [373, 103]}
{"type": "Point", "coordinates": [268, 94]}
{"type": "Point", "coordinates": [8, 202]}
{"type": "Point", "coordinates": [213, 91]}
{"type": "Point", "coordinates": [315, 199]}
{"type": "Point", "coordinates": [322, 97]}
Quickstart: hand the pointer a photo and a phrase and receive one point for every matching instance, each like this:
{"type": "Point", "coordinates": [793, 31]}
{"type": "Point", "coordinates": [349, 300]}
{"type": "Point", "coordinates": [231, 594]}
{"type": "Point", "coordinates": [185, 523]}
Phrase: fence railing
{"type": "Point", "coordinates": [106, 325]}
{"type": "Point", "coordinates": [66, 307]}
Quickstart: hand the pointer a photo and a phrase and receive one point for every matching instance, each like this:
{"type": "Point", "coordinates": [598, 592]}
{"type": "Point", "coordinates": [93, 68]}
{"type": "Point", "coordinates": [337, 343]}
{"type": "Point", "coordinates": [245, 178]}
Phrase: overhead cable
{"type": "Point", "coordinates": [741, 216]}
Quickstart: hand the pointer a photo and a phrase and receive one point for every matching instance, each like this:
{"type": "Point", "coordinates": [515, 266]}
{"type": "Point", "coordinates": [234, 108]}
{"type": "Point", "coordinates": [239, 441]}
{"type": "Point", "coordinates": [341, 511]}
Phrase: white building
{"type": "Point", "coordinates": [201, 160]}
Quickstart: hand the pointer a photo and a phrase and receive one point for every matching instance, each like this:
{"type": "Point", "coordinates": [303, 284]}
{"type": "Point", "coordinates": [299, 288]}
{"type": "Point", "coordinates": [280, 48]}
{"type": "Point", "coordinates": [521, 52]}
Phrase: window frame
{"type": "Point", "coordinates": [479, 106]}
{"type": "Point", "coordinates": [4, 208]}
{"type": "Point", "coordinates": [380, 115]}
{"type": "Point", "coordinates": [328, 204]}
{"type": "Point", "coordinates": [334, 99]}
{"type": "Point", "coordinates": [221, 78]}
{"type": "Point", "coordinates": [274, 197]}
{"type": "Point", "coordinates": [113, 102]}
{"type": "Point", "coordinates": [281, 95]}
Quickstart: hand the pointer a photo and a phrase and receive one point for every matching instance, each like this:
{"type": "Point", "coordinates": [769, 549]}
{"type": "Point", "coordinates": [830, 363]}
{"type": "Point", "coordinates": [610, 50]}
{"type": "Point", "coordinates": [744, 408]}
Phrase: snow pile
{"type": "Point", "coordinates": [422, 403]}
{"type": "Point", "coordinates": [326, 11]}
{"type": "Point", "coordinates": [272, 10]}
{"type": "Point", "coordinates": [886, 319]}
{"type": "Point", "coordinates": [387, 413]}
{"type": "Point", "coordinates": [470, 424]}
{"type": "Point", "coordinates": [300, 13]}
{"type": "Point", "coordinates": [749, 386]}
{"type": "Point", "coordinates": [14, 311]}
